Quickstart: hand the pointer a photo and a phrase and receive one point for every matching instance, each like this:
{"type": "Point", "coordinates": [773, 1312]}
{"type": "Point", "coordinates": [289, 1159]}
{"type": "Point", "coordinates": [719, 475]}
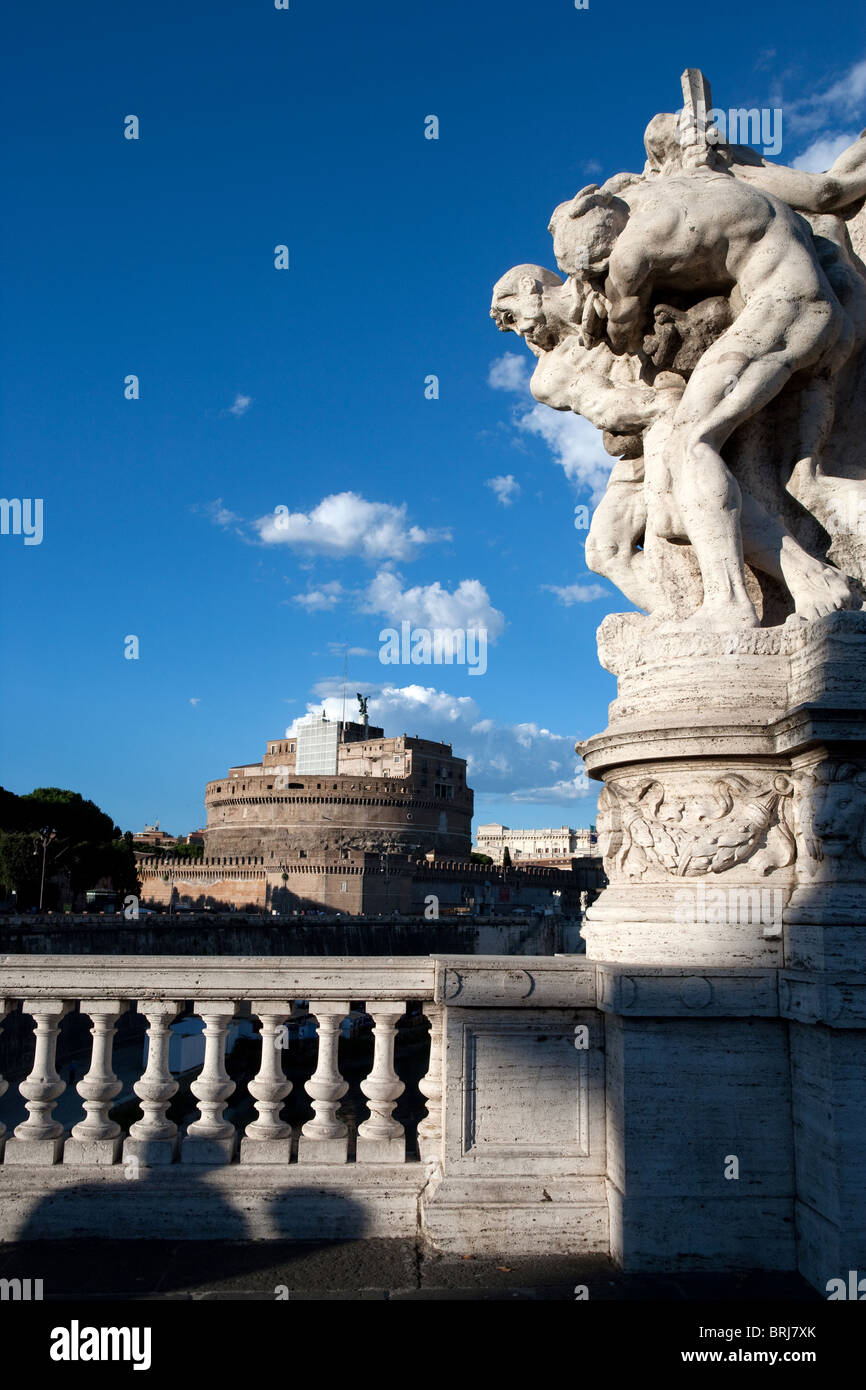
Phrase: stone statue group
{"type": "Point", "coordinates": [710, 319]}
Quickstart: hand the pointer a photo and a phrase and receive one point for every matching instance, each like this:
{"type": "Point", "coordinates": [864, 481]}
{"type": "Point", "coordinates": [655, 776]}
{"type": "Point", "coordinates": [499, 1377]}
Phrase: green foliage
{"type": "Point", "coordinates": [87, 846]}
{"type": "Point", "coordinates": [179, 850]}
{"type": "Point", "coordinates": [69, 814]}
{"type": "Point", "coordinates": [20, 867]}
{"type": "Point", "coordinates": [506, 858]}
{"type": "Point", "coordinates": [477, 858]}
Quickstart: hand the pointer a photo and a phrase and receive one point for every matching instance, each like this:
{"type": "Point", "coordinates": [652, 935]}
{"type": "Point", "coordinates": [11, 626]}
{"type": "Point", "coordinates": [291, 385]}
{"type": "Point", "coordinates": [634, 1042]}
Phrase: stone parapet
{"type": "Point", "coordinates": [571, 1105]}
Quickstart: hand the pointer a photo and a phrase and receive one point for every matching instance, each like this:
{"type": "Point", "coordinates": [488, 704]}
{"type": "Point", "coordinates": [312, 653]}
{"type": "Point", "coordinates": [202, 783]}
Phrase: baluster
{"type": "Point", "coordinates": [5, 1006]}
{"type": "Point", "coordinates": [269, 1139]}
{"type": "Point", "coordinates": [325, 1139]}
{"type": "Point", "coordinates": [212, 1138]}
{"type": "Point", "coordinates": [96, 1138]}
{"type": "Point", "coordinates": [39, 1138]}
{"type": "Point", "coordinates": [430, 1086]}
{"type": "Point", "coordinates": [153, 1139]}
{"type": "Point", "coordinates": [381, 1138]}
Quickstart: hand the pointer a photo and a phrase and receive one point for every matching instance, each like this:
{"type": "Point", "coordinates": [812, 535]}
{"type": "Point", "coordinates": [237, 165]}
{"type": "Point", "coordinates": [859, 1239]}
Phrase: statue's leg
{"type": "Point", "coordinates": [618, 525]}
{"type": "Point", "coordinates": [815, 587]}
{"type": "Point", "coordinates": [739, 374]}
{"type": "Point", "coordinates": [816, 409]}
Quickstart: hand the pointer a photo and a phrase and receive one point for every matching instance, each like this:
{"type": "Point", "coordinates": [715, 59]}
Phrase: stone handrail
{"type": "Point", "coordinates": [221, 988]}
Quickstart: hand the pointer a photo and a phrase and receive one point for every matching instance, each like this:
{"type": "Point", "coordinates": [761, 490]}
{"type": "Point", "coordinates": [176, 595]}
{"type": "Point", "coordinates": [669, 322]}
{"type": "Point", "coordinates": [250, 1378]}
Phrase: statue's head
{"type": "Point", "coordinates": [663, 144]}
{"type": "Point", "coordinates": [585, 228]}
{"type": "Point", "coordinates": [834, 809]}
{"type": "Point", "coordinates": [518, 305]}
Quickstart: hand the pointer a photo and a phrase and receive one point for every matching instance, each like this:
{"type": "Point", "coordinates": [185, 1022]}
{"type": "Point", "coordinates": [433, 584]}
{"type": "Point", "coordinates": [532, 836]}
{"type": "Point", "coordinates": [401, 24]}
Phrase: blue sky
{"type": "Point", "coordinates": [263, 388]}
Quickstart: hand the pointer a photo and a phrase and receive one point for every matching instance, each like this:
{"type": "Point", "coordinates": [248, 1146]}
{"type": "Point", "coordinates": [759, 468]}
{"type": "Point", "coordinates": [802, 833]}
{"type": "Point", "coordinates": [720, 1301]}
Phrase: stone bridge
{"type": "Point", "coordinates": [573, 1106]}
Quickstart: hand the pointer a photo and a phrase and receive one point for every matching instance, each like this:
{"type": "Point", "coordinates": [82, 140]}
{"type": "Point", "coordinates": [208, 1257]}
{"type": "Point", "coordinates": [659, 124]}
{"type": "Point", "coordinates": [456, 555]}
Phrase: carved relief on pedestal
{"type": "Point", "coordinates": [649, 830]}
{"type": "Point", "coordinates": [830, 820]}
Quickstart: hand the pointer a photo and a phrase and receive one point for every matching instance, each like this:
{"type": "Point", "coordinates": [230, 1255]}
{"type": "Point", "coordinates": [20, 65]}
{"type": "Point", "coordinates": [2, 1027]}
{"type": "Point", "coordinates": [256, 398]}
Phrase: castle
{"type": "Point", "coordinates": [338, 818]}
{"type": "Point", "coordinates": [337, 787]}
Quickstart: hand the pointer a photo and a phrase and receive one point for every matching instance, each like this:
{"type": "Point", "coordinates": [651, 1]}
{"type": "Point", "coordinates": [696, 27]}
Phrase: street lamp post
{"type": "Point", "coordinates": [46, 835]}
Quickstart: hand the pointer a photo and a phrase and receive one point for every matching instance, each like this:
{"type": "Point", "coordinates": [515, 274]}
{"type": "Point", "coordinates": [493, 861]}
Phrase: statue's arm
{"type": "Point", "coordinates": [627, 289]}
{"type": "Point", "coordinates": [587, 391]}
{"type": "Point", "coordinates": [843, 183]}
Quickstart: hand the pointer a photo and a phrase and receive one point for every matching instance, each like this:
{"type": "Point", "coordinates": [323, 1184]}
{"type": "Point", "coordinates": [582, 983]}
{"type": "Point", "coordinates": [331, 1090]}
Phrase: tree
{"type": "Point", "coordinates": [86, 847]}
{"type": "Point", "coordinates": [20, 865]}
{"type": "Point", "coordinates": [506, 858]}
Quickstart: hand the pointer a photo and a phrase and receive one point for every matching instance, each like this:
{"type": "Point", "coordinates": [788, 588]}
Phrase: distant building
{"type": "Point", "coordinates": [152, 835]}
{"type": "Point", "coordinates": [338, 818]}
{"type": "Point", "coordinates": [535, 846]}
{"type": "Point", "coordinates": [333, 789]}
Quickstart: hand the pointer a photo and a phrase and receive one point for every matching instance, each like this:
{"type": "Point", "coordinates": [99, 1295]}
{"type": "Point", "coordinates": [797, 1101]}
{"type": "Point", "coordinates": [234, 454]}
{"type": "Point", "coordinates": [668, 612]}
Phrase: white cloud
{"type": "Point", "coordinates": [340, 649]}
{"type": "Point", "coordinates": [195, 700]}
{"type": "Point", "coordinates": [575, 443]}
{"type": "Point", "coordinates": [823, 151]}
{"type": "Point", "coordinates": [431, 606]}
{"type": "Point", "coordinates": [577, 593]}
{"type": "Point", "coordinates": [848, 94]}
{"type": "Point", "coordinates": [505, 761]}
{"type": "Point", "coordinates": [836, 106]}
{"type": "Point", "coordinates": [567, 789]}
{"type": "Point", "coordinates": [322, 599]}
{"type": "Point", "coordinates": [510, 372]}
{"type": "Point", "coordinates": [506, 488]}
{"type": "Point", "coordinates": [345, 524]}
{"type": "Point", "coordinates": [219, 514]}
{"type": "Point", "coordinates": [241, 405]}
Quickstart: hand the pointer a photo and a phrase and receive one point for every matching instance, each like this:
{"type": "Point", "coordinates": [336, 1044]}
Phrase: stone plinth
{"type": "Point", "coordinates": [522, 1157]}
{"type": "Point", "coordinates": [732, 816]}
{"type": "Point", "coordinates": [732, 942]}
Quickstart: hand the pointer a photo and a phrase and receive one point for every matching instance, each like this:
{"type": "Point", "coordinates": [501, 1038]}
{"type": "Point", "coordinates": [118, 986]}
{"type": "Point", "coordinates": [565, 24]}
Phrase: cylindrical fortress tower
{"type": "Point", "coordinates": [368, 793]}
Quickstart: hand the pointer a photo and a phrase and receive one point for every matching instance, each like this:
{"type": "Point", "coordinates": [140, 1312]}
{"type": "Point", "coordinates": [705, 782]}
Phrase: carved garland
{"type": "Point", "coordinates": [647, 828]}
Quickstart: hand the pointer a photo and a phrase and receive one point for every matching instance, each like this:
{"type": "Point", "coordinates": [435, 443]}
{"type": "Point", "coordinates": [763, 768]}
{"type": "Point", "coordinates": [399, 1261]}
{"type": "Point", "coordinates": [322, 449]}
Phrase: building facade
{"type": "Point", "coordinates": [338, 818]}
{"type": "Point", "coordinates": [359, 792]}
{"type": "Point", "coordinates": [562, 843]}
{"type": "Point", "coordinates": [363, 884]}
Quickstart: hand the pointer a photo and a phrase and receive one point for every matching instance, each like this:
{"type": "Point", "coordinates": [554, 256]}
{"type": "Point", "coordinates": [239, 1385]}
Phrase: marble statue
{"type": "Point", "coordinates": [708, 316]}
{"type": "Point", "coordinates": [710, 320]}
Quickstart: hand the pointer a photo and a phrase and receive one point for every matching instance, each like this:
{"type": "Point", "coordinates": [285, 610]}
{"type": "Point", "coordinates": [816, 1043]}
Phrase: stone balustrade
{"type": "Point", "coordinates": [572, 1105]}
{"type": "Point", "coordinates": [512, 1140]}
{"type": "Point", "coordinates": [221, 990]}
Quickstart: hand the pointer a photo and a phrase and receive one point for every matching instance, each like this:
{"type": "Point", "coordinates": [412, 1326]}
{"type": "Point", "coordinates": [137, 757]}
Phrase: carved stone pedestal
{"type": "Point", "coordinates": [733, 936]}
